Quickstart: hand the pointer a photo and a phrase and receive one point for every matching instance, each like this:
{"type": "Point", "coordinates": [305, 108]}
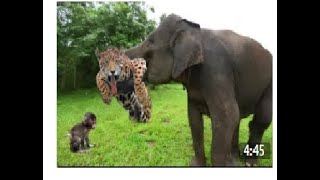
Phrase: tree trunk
{"type": "Point", "coordinates": [63, 79]}
{"type": "Point", "coordinates": [75, 77]}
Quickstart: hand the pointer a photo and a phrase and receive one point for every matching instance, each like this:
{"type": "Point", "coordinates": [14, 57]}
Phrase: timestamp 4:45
{"type": "Point", "coordinates": [262, 150]}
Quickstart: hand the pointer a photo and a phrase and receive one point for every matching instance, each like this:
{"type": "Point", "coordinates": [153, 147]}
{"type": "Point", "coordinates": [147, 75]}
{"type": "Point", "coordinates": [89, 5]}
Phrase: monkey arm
{"type": "Point", "coordinates": [88, 141]}
{"type": "Point", "coordinates": [103, 87]}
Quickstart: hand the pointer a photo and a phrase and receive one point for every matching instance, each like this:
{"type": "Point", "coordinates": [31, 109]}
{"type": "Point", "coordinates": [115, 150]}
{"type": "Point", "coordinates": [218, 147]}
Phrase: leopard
{"type": "Point", "coordinates": [122, 77]}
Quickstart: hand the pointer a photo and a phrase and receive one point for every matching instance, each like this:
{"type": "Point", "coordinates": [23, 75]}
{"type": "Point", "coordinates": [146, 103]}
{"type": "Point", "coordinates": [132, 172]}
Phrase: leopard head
{"type": "Point", "coordinates": [110, 63]}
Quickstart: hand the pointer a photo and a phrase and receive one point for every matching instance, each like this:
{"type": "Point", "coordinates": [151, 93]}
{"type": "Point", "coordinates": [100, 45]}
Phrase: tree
{"type": "Point", "coordinates": [83, 26]}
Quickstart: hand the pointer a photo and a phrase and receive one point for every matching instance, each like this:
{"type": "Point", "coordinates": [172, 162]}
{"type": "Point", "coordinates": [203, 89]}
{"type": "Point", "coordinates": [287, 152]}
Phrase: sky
{"type": "Point", "coordinates": [254, 18]}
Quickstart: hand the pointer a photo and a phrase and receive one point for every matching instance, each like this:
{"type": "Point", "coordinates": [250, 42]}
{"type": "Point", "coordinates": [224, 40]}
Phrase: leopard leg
{"type": "Point", "coordinates": [124, 100]}
{"type": "Point", "coordinates": [139, 68]}
{"type": "Point", "coordinates": [130, 107]}
{"type": "Point", "coordinates": [104, 88]}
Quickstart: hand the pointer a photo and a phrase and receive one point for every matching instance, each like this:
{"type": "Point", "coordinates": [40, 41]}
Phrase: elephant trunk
{"type": "Point", "coordinates": [134, 52]}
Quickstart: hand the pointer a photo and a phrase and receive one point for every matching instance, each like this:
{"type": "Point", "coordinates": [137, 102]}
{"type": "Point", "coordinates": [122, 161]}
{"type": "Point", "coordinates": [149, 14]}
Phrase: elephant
{"type": "Point", "coordinates": [227, 76]}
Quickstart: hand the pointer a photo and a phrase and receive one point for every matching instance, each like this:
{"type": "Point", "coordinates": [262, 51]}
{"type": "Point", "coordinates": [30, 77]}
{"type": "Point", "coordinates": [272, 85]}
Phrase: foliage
{"type": "Point", "coordinates": [83, 26]}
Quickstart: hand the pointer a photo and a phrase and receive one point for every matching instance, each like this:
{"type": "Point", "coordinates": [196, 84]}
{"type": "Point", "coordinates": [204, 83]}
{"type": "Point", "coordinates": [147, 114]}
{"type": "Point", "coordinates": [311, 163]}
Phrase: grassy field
{"type": "Point", "coordinates": [165, 141]}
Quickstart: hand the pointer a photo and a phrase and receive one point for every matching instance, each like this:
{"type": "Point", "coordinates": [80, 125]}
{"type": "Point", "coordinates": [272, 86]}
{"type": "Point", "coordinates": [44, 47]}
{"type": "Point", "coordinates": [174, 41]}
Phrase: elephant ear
{"type": "Point", "coordinates": [186, 46]}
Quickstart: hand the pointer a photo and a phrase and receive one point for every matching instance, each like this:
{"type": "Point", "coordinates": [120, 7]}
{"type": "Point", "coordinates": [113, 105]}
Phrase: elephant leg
{"type": "Point", "coordinates": [196, 125]}
{"type": "Point", "coordinates": [235, 151]}
{"type": "Point", "coordinates": [261, 121]}
{"type": "Point", "coordinates": [226, 122]}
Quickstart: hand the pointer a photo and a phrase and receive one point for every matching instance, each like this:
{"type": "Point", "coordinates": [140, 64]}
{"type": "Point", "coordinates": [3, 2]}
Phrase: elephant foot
{"type": "Point", "coordinates": [197, 162]}
{"type": "Point", "coordinates": [234, 160]}
{"type": "Point", "coordinates": [230, 163]}
{"type": "Point", "coordinates": [251, 165]}
{"type": "Point", "coordinates": [250, 162]}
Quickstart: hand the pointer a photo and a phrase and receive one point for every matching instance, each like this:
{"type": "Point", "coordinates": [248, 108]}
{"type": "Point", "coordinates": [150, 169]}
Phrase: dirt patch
{"type": "Point", "coordinates": [165, 121]}
{"type": "Point", "coordinates": [151, 143]}
{"type": "Point", "coordinates": [142, 132]}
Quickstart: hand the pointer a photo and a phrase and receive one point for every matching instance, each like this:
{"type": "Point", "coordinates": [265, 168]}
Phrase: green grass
{"type": "Point", "coordinates": [165, 141]}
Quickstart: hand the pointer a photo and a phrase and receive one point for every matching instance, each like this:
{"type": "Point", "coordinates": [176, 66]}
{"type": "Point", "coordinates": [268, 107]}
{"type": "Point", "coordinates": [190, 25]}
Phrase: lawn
{"type": "Point", "coordinates": [165, 141]}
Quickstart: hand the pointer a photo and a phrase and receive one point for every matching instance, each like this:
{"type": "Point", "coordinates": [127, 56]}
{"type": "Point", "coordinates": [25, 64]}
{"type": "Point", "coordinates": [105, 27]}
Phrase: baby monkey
{"type": "Point", "coordinates": [80, 133]}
